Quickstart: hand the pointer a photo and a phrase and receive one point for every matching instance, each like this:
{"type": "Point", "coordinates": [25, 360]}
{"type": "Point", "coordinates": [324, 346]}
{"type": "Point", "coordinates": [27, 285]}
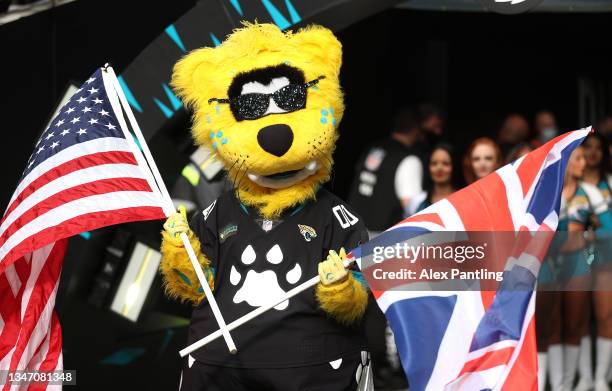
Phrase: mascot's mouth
{"type": "Point", "coordinates": [283, 175]}
{"type": "Point", "coordinates": [286, 178]}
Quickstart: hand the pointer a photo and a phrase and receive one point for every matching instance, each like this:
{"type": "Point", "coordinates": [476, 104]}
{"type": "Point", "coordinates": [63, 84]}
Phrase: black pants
{"type": "Point", "coordinates": [322, 377]}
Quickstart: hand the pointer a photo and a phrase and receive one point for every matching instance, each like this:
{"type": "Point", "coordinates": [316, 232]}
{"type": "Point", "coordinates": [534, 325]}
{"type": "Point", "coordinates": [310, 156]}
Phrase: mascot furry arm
{"type": "Point", "coordinates": [273, 177]}
{"type": "Point", "coordinates": [180, 280]}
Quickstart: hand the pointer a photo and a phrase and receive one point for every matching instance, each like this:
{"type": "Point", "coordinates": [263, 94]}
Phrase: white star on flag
{"type": "Point", "coordinates": [49, 136]}
{"type": "Point", "coordinates": [55, 144]}
{"type": "Point", "coordinates": [90, 80]}
{"type": "Point", "coordinates": [86, 110]}
{"type": "Point", "coordinates": [97, 101]}
{"type": "Point", "coordinates": [81, 131]}
{"type": "Point", "coordinates": [93, 121]}
{"type": "Point", "coordinates": [92, 90]}
{"type": "Point", "coordinates": [65, 132]}
{"type": "Point", "coordinates": [59, 123]}
{"type": "Point", "coordinates": [81, 100]}
{"type": "Point", "coordinates": [70, 110]}
{"type": "Point", "coordinates": [110, 126]}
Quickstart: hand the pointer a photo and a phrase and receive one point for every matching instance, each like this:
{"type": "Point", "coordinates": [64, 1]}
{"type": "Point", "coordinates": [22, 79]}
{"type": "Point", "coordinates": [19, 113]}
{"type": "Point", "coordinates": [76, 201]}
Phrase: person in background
{"type": "Point", "coordinates": [549, 329]}
{"type": "Point", "coordinates": [519, 151]}
{"type": "Point", "coordinates": [596, 190]}
{"type": "Point", "coordinates": [201, 182]}
{"type": "Point", "coordinates": [604, 127]}
{"type": "Point", "coordinates": [545, 126]}
{"type": "Point", "coordinates": [431, 121]}
{"type": "Point", "coordinates": [389, 174]}
{"type": "Point", "coordinates": [482, 158]}
{"type": "Point", "coordinates": [514, 130]}
{"type": "Point", "coordinates": [440, 183]}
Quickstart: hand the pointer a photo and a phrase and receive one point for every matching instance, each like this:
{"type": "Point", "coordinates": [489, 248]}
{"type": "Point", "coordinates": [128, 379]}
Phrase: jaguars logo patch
{"type": "Point", "coordinates": [227, 231]}
{"type": "Point", "coordinates": [307, 232]}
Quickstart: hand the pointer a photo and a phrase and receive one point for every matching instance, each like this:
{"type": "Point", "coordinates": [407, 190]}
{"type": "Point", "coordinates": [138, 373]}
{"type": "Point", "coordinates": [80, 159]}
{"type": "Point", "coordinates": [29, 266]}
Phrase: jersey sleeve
{"type": "Point", "coordinates": [578, 209]}
{"type": "Point", "coordinates": [408, 179]}
{"type": "Point", "coordinates": [204, 226]}
{"type": "Point", "coordinates": [346, 230]}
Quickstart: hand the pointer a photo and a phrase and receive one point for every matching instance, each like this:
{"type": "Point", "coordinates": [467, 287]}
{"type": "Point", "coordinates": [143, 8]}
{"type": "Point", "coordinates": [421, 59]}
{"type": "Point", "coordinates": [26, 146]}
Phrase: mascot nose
{"type": "Point", "coordinates": [275, 139]}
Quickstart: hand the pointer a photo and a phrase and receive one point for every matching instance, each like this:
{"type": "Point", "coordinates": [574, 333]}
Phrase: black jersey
{"type": "Point", "coordinates": [372, 193]}
{"type": "Point", "coordinates": [256, 261]}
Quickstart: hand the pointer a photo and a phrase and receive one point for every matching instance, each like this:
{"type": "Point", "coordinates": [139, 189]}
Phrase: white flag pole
{"type": "Point", "coordinates": [142, 164]}
{"type": "Point", "coordinates": [256, 312]}
{"type": "Point", "coordinates": [169, 208]}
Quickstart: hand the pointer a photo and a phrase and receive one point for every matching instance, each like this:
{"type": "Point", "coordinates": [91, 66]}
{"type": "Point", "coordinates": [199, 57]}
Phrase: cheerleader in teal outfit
{"type": "Point", "coordinates": [559, 267]}
{"type": "Point", "coordinates": [575, 259]}
{"type": "Point", "coordinates": [596, 188]}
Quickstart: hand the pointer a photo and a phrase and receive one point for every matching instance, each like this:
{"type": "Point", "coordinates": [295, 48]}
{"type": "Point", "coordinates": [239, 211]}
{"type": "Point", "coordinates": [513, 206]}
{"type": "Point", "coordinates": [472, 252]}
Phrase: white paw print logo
{"type": "Point", "coordinates": [260, 289]}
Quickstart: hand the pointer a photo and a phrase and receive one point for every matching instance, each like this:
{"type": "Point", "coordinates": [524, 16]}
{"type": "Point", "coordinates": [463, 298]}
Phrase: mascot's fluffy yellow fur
{"type": "Point", "coordinates": [208, 73]}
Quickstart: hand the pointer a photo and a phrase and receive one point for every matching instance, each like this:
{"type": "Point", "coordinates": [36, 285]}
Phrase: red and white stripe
{"type": "Point", "coordinates": [30, 337]}
{"type": "Point", "coordinates": [86, 186]}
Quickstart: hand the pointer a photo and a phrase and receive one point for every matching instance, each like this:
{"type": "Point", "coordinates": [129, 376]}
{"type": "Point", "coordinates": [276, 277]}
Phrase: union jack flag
{"type": "Point", "coordinates": [483, 339]}
{"type": "Point", "coordinates": [85, 173]}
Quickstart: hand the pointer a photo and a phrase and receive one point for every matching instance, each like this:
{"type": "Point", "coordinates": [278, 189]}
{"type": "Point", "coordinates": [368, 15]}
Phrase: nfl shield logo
{"type": "Point", "coordinates": [375, 157]}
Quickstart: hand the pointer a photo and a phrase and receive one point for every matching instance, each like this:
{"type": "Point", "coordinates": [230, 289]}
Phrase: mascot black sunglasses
{"type": "Point", "coordinates": [291, 97]}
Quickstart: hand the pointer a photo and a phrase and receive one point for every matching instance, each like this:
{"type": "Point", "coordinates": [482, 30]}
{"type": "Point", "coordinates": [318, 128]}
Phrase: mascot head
{"type": "Point", "coordinates": [268, 103]}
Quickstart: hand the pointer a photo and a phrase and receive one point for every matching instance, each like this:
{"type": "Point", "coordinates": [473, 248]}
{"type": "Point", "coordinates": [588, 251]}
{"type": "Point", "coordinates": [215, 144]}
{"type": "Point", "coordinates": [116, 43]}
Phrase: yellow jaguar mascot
{"type": "Point", "coordinates": [268, 103]}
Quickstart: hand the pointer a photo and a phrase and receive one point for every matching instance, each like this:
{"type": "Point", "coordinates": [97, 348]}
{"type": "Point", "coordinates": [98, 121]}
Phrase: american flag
{"type": "Point", "coordinates": [83, 174]}
{"type": "Point", "coordinates": [483, 339]}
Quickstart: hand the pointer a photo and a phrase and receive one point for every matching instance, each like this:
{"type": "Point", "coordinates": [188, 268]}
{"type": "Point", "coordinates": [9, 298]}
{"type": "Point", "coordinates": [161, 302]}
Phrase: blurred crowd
{"type": "Point", "coordinates": [416, 165]}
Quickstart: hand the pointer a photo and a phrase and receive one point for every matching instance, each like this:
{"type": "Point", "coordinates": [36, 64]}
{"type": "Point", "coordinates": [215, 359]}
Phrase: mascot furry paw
{"type": "Point", "coordinates": [269, 104]}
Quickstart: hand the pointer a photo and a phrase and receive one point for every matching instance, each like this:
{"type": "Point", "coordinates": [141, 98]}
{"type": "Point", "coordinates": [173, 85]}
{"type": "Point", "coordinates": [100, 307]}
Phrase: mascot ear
{"type": "Point", "coordinates": [322, 45]}
{"type": "Point", "coordinates": [184, 79]}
